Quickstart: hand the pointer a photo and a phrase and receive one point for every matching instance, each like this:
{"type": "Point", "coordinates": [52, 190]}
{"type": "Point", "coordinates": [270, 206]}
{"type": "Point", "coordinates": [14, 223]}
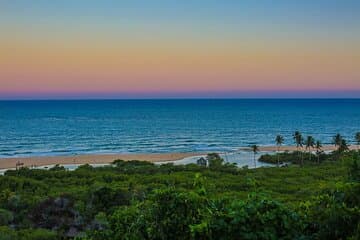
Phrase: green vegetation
{"type": "Point", "coordinates": [292, 157]}
{"type": "Point", "coordinates": [140, 200]}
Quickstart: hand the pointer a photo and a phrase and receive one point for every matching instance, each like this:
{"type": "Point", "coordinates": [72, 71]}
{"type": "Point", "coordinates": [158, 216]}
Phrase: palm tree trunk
{"type": "Point", "coordinates": [297, 149]}
{"type": "Point", "coordinates": [254, 161]}
{"type": "Point", "coordinates": [278, 157]}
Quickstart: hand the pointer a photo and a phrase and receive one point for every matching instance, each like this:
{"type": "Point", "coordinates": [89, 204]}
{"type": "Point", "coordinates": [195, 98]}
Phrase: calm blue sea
{"type": "Point", "coordinates": [29, 128]}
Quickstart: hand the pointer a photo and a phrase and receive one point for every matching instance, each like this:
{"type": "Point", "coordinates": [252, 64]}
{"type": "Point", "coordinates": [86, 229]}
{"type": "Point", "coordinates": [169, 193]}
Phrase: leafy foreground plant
{"type": "Point", "coordinates": [335, 214]}
{"type": "Point", "coordinates": [172, 214]}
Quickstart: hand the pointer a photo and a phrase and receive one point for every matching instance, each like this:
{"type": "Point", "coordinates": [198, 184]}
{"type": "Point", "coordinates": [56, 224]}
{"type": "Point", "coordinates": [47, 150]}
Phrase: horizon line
{"type": "Point", "coordinates": [182, 98]}
{"type": "Point", "coordinates": [235, 94]}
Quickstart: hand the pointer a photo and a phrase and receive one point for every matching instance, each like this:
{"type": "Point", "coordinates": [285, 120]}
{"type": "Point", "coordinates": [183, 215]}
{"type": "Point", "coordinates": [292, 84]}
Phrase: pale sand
{"type": "Point", "coordinates": [6, 163]}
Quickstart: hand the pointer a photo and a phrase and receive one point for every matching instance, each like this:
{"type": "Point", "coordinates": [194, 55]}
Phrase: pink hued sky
{"type": "Point", "coordinates": [171, 50]}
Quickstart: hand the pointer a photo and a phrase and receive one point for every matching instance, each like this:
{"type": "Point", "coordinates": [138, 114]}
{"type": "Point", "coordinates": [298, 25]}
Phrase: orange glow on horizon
{"type": "Point", "coordinates": [36, 67]}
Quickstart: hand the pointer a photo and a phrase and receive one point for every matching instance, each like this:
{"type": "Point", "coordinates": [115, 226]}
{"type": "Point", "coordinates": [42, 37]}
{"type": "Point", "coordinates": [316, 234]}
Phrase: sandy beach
{"type": "Point", "coordinates": [6, 163]}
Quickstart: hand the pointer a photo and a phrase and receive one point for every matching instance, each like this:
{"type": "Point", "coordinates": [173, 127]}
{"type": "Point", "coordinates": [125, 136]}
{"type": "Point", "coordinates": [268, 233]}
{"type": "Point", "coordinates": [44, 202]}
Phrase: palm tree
{"type": "Point", "coordinates": [357, 139]}
{"type": "Point", "coordinates": [299, 143]}
{"type": "Point", "coordinates": [319, 150]}
{"type": "Point", "coordinates": [255, 150]}
{"type": "Point", "coordinates": [298, 139]}
{"type": "Point", "coordinates": [343, 146]}
{"type": "Point", "coordinates": [337, 139]}
{"type": "Point", "coordinates": [309, 143]}
{"type": "Point", "coordinates": [279, 141]}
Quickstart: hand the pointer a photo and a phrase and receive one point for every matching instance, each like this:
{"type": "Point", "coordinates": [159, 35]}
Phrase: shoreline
{"type": "Point", "coordinates": [8, 163]}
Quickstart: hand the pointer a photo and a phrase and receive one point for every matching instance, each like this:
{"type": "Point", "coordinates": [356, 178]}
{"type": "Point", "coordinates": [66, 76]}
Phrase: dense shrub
{"type": "Point", "coordinates": [6, 217]}
{"type": "Point", "coordinates": [7, 233]}
{"type": "Point", "coordinates": [256, 218]}
{"type": "Point", "coordinates": [333, 215]}
{"type": "Point", "coordinates": [140, 200]}
{"type": "Point", "coordinates": [294, 157]}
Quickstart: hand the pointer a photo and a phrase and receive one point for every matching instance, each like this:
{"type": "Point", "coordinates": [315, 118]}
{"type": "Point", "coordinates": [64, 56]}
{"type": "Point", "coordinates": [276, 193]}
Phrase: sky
{"type": "Point", "coordinates": [179, 49]}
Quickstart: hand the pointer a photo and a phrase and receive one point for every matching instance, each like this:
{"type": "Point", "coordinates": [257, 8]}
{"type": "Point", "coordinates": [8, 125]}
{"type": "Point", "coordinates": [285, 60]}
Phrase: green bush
{"type": "Point", "coordinates": [334, 215]}
{"type": "Point", "coordinates": [7, 233]}
{"type": "Point", "coordinates": [126, 223]}
{"type": "Point", "coordinates": [6, 217]}
{"type": "Point", "coordinates": [169, 214]}
{"type": "Point", "coordinates": [256, 218]}
{"type": "Point", "coordinates": [36, 234]}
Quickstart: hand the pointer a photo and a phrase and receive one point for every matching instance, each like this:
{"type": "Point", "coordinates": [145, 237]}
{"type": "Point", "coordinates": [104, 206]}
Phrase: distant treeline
{"type": "Point", "coordinates": [307, 145]}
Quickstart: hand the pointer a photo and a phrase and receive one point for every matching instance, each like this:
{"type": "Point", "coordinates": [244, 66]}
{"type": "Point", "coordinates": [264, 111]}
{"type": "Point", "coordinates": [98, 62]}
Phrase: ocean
{"type": "Point", "coordinates": [50, 128]}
